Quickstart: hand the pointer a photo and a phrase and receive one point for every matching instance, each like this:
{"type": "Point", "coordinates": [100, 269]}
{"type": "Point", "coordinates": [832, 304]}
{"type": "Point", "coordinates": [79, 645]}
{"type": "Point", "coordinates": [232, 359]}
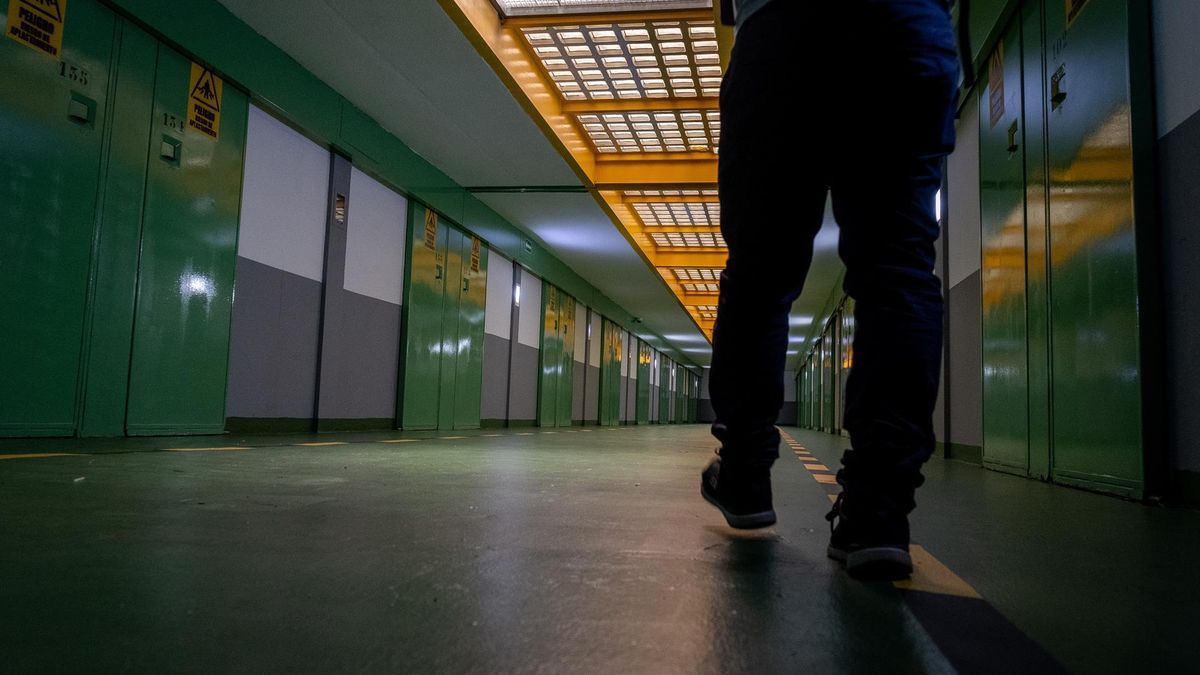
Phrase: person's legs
{"type": "Point", "coordinates": [771, 208]}
{"type": "Point", "coordinates": [883, 190]}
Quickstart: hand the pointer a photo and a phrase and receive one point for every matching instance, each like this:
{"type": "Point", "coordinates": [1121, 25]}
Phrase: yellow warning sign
{"type": "Point", "coordinates": [38, 24]}
{"type": "Point", "coordinates": [430, 229]}
{"type": "Point", "coordinates": [475, 251]}
{"type": "Point", "coordinates": [204, 101]}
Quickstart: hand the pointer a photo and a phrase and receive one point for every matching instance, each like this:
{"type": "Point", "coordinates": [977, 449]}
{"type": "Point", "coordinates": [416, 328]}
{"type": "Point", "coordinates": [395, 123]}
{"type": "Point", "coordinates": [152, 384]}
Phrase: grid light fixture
{"type": "Point", "coordinates": [630, 61]}
{"type": "Point", "coordinates": [706, 312]}
{"type": "Point", "coordinates": [687, 239]}
{"type": "Point", "coordinates": [678, 214]}
{"type": "Point", "coordinates": [687, 274]}
{"type": "Point", "coordinates": [653, 130]}
{"type": "Point", "coordinates": [701, 288]}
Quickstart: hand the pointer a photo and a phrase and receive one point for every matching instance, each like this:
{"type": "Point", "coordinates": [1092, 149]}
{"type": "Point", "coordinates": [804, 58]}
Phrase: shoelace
{"type": "Point", "coordinates": [836, 512]}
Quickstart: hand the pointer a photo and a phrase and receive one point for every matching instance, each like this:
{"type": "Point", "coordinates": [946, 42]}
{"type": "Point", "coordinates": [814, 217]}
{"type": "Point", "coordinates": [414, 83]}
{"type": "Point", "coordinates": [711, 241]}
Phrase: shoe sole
{"type": "Point", "coordinates": [882, 563]}
{"type": "Point", "coordinates": [747, 521]}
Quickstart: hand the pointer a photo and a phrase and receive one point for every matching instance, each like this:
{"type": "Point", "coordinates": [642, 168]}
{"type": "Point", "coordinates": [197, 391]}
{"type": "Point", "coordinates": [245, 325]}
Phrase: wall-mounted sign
{"type": "Point", "coordinates": [431, 229]}
{"type": "Point", "coordinates": [475, 252]}
{"type": "Point", "coordinates": [38, 24]}
{"type": "Point", "coordinates": [204, 101]}
{"type": "Point", "coordinates": [996, 85]}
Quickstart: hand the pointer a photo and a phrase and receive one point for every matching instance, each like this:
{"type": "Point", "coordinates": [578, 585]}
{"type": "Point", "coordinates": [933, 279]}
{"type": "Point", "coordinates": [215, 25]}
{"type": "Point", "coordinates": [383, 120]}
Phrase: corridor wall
{"type": "Point", "coordinates": [497, 340]}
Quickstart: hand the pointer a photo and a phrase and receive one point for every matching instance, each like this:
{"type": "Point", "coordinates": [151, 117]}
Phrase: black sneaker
{"type": "Point", "coordinates": [871, 547]}
{"type": "Point", "coordinates": [743, 495]}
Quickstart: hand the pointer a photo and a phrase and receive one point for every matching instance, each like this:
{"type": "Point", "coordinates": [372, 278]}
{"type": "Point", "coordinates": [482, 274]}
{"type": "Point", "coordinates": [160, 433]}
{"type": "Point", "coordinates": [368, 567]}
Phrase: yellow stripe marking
{"type": "Point", "coordinates": [40, 455]}
{"type": "Point", "coordinates": [226, 448]}
{"type": "Point", "coordinates": [321, 444]}
{"type": "Point", "coordinates": [816, 467]}
{"type": "Point", "coordinates": [525, 433]}
{"type": "Point", "coordinates": [832, 498]}
{"type": "Point", "coordinates": [492, 435]}
{"type": "Point", "coordinates": [931, 576]}
{"type": "Point", "coordinates": [549, 432]}
{"type": "Point", "coordinates": [451, 438]}
{"type": "Point", "coordinates": [401, 440]}
{"type": "Point", "coordinates": [825, 478]}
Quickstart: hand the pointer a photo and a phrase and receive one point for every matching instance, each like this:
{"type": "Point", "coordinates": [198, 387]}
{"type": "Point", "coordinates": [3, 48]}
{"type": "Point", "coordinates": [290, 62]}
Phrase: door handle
{"type": "Point", "coordinates": [438, 272]}
{"type": "Point", "coordinates": [1057, 93]}
{"type": "Point", "coordinates": [1013, 146]}
{"type": "Point", "coordinates": [466, 285]}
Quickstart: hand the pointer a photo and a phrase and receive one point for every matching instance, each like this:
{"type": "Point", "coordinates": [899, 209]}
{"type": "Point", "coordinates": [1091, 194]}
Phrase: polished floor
{"type": "Point", "coordinates": [558, 551]}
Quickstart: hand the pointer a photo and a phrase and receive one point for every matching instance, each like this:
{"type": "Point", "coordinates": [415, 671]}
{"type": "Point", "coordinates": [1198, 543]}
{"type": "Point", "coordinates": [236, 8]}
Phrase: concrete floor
{"type": "Point", "coordinates": [556, 552]}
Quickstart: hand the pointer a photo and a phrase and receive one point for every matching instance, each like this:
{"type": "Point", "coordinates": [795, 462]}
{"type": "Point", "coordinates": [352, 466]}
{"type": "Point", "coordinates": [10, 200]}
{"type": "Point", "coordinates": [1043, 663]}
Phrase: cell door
{"type": "Point", "coordinates": [565, 389]}
{"type": "Point", "coordinates": [1002, 210]}
{"type": "Point", "coordinates": [644, 376]}
{"type": "Point", "coordinates": [469, 364]}
{"type": "Point", "coordinates": [1095, 316]}
{"type": "Point", "coordinates": [52, 123]}
{"type": "Point", "coordinates": [451, 346]}
{"type": "Point", "coordinates": [423, 316]}
{"type": "Point", "coordinates": [184, 300]}
{"type": "Point", "coordinates": [550, 357]}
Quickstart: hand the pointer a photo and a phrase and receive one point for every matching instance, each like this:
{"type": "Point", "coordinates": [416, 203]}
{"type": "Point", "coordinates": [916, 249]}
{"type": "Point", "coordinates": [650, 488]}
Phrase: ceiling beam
{"type": "Point", "coordinates": [638, 173]}
{"type": "Point", "coordinates": [585, 19]}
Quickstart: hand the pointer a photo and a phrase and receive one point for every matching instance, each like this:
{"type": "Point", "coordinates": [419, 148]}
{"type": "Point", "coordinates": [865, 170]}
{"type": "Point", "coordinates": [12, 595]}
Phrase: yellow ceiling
{"type": "Point", "coordinates": [630, 98]}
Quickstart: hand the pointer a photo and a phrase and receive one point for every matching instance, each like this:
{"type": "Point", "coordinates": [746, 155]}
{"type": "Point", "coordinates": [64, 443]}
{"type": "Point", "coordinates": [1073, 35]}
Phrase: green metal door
{"type": "Point", "coordinates": [565, 389]}
{"type": "Point", "coordinates": [610, 374]}
{"type": "Point", "coordinates": [52, 120]}
{"type": "Point", "coordinates": [473, 298]}
{"type": "Point", "coordinates": [180, 354]}
{"type": "Point", "coordinates": [1093, 252]}
{"type": "Point", "coordinates": [423, 316]}
{"type": "Point", "coordinates": [550, 357]}
{"type": "Point", "coordinates": [644, 375]}
{"type": "Point", "coordinates": [452, 296]}
{"type": "Point", "coordinates": [664, 390]}
{"type": "Point", "coordinates": [1002, 211]}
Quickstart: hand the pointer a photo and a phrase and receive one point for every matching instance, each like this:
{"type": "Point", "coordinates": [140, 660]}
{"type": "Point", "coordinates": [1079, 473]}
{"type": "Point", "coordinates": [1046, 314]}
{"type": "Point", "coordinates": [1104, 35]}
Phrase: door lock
{"type": "Point", "coordinates": [1013, 146]}
{"type": "Point", "coordinates": [438, 272]}
{"type": "Point", "coordinates": [1057, 93]}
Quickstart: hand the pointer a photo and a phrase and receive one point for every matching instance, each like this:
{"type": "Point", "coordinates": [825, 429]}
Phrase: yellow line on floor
{"type": "Point", "coordinates": [219, 449]}
{"type": "Point", "coordinates": [40, 455]}
{"type": "Point", "coordinates": [816, 467]}
{"type": "Point", "coordinates": [931, 576]}
{"type": "Point", "coordinates": [525, 433]}
{"type": "Point", "coordinates": [825, 478]}
{"type": "Point", "coordinates": [832, 498]}
{"type": "Point", "coordinates": [491, 435]}
{"type": "Point", "coordinates": [321, 444]}
{"type": "Point", "coordinates": [451, 438]}
{"type": "Point", "coordinates": [401, 440]}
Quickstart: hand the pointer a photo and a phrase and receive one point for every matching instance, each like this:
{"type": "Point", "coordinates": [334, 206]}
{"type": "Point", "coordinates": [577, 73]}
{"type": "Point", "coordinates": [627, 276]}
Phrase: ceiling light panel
{"type": "Point", "coordinates": [701, 288]}
{"type": "Point", "coordinates": [686, 274]}
{"type": "Point", "coordinates": [653, 131]}
{"type": "Point", "coordinates": [630, 61]}
{"type": "Point", "coordinates": [687, 239]}
{"type": "Point", "coordinates": [678, 214]}
{"type": "Point", "coordinates": [706, 312]}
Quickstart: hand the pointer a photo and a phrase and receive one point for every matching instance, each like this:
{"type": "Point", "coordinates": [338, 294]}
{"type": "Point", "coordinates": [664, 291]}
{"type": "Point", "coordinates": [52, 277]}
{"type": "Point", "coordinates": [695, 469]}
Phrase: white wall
{"type": "Point", "coordinates": [962, 215]}
{"type": "Point", "coordinates": [1176, 55]}
{"type": "Point", "coordinates": [285, 198]}
{"type": "Point", "coordinates": [498, 311]}
{"type": "Point", "coordinates": [580, 332]}
{"type": "Point", "coordinates": [529, 328]}
{"type": "Point", "coordinates": [375, 239]}
{"type": "Point", "coordinates": [597, 340]}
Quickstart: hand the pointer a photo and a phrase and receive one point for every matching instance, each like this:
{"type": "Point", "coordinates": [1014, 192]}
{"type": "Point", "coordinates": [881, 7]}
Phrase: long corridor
{"type": "Point", "coordinates": [569, 550]}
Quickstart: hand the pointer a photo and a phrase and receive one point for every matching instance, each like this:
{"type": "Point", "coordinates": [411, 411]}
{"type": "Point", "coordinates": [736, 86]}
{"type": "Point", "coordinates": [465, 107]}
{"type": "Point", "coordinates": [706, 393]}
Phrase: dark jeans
{"type": "Point", "coordinates": [854, 99]}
